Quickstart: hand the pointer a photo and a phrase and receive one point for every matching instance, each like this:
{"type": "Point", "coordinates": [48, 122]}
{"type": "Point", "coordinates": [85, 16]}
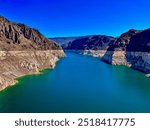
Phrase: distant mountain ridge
{"type": "Point", "coordinates": [90, 43]}
{"type": "Point", "coordinates": [66, 40]}
{"type": "Point", "coordinates": [132, 40]}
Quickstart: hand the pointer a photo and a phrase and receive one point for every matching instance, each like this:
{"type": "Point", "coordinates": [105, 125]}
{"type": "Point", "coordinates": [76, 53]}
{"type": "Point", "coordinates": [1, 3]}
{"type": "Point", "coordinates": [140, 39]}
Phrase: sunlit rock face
{"type": "Point", "coordinates": [23, 51]}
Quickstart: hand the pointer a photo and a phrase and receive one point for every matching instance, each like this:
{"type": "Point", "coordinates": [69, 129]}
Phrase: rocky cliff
{"type": "Point", "coordinates": [130, 49]}
{"type": "Point", "coordinates": [23, 51]}
{"type": "Point", "coordinates": [21, 37]}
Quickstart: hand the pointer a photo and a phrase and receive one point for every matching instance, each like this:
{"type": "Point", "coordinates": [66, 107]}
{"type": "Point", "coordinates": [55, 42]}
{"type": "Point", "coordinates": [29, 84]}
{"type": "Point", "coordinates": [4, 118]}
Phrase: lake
{"type": "Point", "coordinates": [80, 84]}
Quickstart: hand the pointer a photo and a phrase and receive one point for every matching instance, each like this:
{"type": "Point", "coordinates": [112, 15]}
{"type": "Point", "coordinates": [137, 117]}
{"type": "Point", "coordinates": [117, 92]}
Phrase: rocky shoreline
{"type": "Point", "coordinates": [15, 64]}
{"type": "Point", "coordinates": [131, 48]}
{"type": "Point", "coordinates": [136, 60]}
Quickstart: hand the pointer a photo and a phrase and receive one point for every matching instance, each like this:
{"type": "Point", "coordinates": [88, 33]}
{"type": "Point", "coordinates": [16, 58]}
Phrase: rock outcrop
{"type": "Point", "coordinates": [131, 49]}
{"type": "Point", "coordinates": [23, 51]}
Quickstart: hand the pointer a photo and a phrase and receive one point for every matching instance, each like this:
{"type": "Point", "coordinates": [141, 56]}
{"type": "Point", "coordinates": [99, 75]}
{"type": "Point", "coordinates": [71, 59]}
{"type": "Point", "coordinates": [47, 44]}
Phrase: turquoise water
{"type": "Point", "coordinates": [79, 84]}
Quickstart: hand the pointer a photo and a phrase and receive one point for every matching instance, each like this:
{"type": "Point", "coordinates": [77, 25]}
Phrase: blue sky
{"type": "Point", "coordinates": [56, 18]}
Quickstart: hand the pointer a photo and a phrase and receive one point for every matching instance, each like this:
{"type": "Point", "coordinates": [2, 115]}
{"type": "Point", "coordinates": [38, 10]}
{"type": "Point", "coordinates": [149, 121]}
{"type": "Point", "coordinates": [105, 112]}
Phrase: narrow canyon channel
{"type": "Point", "coordinates": [79, 84]}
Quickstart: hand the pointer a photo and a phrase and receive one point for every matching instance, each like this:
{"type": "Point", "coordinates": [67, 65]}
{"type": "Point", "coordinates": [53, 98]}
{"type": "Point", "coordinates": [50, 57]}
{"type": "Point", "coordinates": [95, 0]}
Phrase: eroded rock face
{"type": "Point", "coordinates": [19, 37]}
{"type": "Point", "coordinates": [135, 60]}
{"type": "Point", "coordinates": [19, 63]}
{"type": "Point", "coordinates": [131, 49]}
{"type": "Point", "coordinates": [23, 51]}
{"type": "Point", "coordinates": [139, 61]}
{"type": "Point", "coordinates": [123, 41]}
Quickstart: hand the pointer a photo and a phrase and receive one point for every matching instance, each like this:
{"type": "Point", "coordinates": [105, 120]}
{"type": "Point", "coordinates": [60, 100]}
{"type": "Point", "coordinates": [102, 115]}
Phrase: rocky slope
{"type": "Point", "coordinates": [97, 42]}
{"type": "Point", "coordinates": [131, 49]}
{"type": "Point", "coordinates": [21, 37]}
{"type": "Point", "coordinates": [23, 51]}
{"type": "Point", "coordinates": [123, 41]}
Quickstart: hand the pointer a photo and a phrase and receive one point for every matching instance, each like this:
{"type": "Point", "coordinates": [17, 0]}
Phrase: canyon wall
{"type": "Point", "coordinates": [131, 49]}
{"type": "Point", "coordinates": [24, 51]}
{"type": "Point", "coordinates": [15, 64]}
{"type": "Point", "coordinates": [136, 60]}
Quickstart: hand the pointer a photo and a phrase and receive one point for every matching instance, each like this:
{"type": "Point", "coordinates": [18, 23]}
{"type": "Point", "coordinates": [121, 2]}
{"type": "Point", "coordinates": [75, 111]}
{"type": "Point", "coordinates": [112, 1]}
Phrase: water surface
{"type": "Point", "coordinates": [79, 84]}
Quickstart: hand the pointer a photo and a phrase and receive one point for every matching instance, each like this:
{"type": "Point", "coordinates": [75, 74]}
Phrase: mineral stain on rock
{"type": "Point", "coordinates": [23, 51]}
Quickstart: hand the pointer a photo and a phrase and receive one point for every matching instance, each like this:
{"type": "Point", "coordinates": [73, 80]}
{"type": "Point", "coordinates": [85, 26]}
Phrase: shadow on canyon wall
{"type": "Point", "coordinates": [108, 56]}
{"type": "Point", "coordinates": [137, 50]}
